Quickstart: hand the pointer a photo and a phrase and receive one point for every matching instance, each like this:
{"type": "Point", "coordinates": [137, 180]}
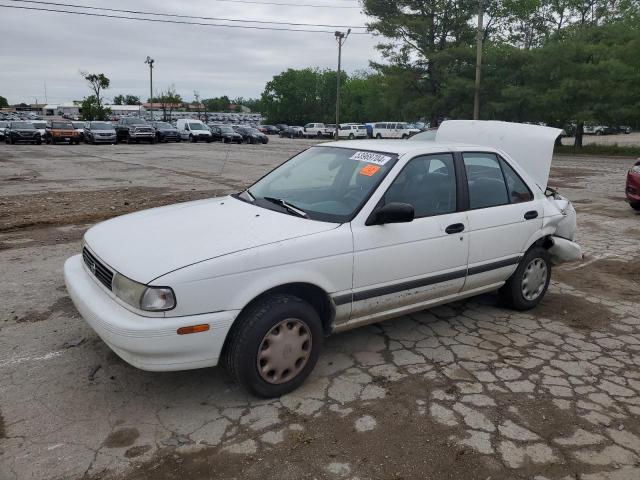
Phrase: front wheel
{"type": "Point", "coordinates": [274, 345]}
{"type": "Point", "coordinates": [635, 205]}
{"type": "Point", "coordinates": [351, 136]}
{"type": "Point", "coordinates": [528, 285]}
{"type": "Point", "coordinates": [378, 136]}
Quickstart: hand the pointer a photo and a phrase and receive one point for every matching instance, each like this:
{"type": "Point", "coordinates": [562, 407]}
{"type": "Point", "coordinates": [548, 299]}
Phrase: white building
{"type": "Point", "coordinates": [126, 110]}
{"type": "Point", "coordinates": [59, 109]}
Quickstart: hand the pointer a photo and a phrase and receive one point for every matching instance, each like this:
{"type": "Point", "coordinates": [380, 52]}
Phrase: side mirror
{"type": "Point", "coordinates": [392, 213]}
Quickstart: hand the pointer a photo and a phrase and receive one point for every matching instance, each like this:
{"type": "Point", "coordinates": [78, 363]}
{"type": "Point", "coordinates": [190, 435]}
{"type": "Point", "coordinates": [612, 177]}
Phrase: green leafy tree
{"type": "Point", "coordinates": [126, 100]}
{"type": "Point", "coordinates": [97, 83]}
{"type": "Point", "coordinates": [91, 109]}
{"type": "Point", "coordinates": [3, 102]}
{"type": "Point", "coordinates": [169, 100]}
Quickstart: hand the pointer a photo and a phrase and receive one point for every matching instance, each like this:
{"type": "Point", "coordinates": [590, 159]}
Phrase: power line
{"type": "Point", "coordinates": [137, 12]}
{"type": "Point", "coordinates": [285, 4]}
{"type": "Point", "coordinates": [180, 22]}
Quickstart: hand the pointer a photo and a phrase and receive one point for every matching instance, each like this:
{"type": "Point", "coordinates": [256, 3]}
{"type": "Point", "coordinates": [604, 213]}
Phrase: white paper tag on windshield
{"type": "Point", "coordinates": [371, 157]}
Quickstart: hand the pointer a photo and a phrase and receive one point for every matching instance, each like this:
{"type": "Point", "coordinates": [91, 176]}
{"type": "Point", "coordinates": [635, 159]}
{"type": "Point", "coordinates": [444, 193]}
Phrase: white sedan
{"type": "Point", "coordinates": [342, 235]}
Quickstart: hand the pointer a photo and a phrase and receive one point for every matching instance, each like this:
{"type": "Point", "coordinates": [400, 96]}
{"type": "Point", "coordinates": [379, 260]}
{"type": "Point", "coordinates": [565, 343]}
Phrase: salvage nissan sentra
{"type": "Point", "coordinates": [343, 234]}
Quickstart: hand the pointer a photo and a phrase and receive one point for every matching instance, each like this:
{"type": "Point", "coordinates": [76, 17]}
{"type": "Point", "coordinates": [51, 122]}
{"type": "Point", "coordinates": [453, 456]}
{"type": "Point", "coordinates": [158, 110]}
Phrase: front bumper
{"type": "Point", "coordinates": [104, 139]}
{"type": "Point", "coordinates": [148, 343]}
{"type": "Point", "coordinates": [633, 188]}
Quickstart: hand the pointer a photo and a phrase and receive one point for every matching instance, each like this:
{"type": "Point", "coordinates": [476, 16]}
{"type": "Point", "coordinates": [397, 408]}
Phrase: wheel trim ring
{"type": "Point", "coordinates": [534, 279]}
{"type": "Point", "coordinates": [284, 351]}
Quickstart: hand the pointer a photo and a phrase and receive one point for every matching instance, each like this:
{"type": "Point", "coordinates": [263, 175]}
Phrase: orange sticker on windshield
{"type": "Point", "coordinates": [369, 170]}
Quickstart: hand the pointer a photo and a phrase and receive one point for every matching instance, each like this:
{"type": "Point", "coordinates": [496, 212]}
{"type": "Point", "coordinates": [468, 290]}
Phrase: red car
{"type": "Point", "coordinates": [633, 186]}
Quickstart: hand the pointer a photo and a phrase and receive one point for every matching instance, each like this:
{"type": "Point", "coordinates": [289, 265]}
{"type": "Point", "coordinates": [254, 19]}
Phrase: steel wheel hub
{"type": "Point", "coordinates": [284, 351]}
{"type": "Point", "coordinates": [534, 279]}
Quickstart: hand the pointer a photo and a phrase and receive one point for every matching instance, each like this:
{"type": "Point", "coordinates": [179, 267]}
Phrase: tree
{"type": "Point", "coordinates": [91, 109]}
{"type": "Point", "coordinates": [217, 104]}
{"type": "Point", "coordinates": [126, 100]}
{"type": "Point", "coordinates": [97, 82]}
{"type": "Point", "coordinates": [169, 99]}
{"type": "Point", "coordinates": [3, 102]}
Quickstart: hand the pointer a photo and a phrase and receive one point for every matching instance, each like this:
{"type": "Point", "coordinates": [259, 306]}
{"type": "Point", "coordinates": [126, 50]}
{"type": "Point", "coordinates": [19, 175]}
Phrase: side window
{"type": "Point", "coordinates": [518, 190]}
{"type": "Point", "coordinates": [428, 183]}
{"type": "Point", "coordinates": [486, 183]}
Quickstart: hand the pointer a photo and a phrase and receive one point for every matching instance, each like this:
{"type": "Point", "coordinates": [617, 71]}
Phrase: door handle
{"type": "Point", "coordinates": [455, 228]}
{"type": "Point", "coordinates": [531, 215]}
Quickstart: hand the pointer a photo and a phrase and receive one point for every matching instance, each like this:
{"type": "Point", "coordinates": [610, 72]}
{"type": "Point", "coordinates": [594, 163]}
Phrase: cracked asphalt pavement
{"type": "Point", "coordinates": [465, 391]}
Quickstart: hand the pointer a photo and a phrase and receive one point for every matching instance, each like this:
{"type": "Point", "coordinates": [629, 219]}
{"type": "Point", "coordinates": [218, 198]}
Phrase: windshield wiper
{"type": "Point", "coordinates": [290, 208]}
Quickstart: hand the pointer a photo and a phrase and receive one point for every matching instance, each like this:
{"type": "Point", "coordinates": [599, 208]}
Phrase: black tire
{"type": "Point", "coordinates": [379, 137]}
{"type": "Point", "coordinates": [39, 142]}
{"type": "Point", "coordinates": [512, 294]}
{"type": "Point", "coordinates": [192, 139]}
{"type": "Point", "coordinates": [319, 135]}
{"type": "Point", "coordinates": [404, 136]}
{"type": "Point", "coordinates": [152, 141]}
{"type": "Point", "coordinates": [246, 339]}
{"type": "Point", "coordinates": [351, 136]}
{"type": "Point", "coordinates": [635, 205]}
{"type": "Point", "coordinates": [129, 140]}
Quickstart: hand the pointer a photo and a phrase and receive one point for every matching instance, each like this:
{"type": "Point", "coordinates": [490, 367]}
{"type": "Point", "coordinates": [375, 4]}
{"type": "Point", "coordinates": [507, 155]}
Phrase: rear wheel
{"type": "Point", "coordinates": [192, 139]}
{"type": "Point", "coordinates": [378, 136]}
{"type": "Point", "coordinates": [635, 205]}
{"type": "Point", "coordinates": [274, 345]}
{"type": "Point", "coordinates": [528, 284]}
{"type": "Point", "coordinates": [351, 136]}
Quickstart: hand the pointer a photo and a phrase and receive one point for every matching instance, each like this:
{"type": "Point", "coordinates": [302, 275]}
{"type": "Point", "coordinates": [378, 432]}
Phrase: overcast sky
{"type": "Point", "coordinates": [51, 48]}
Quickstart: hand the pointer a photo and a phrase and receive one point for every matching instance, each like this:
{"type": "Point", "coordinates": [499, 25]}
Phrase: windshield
{"type": "Point", "coordinates": [101, 126]}
{"type": "Point", "coordinates": [163, 125]}
{"type": "Point", "coordinates": [62, 125]}
{"type": "Point", "coordinates": [226, 130]}
{"type": "Point", "coordinates": [328, 183]}
{"type": "Point", "coordinates": [39, 125]}
{"type": "Point", "coordinates": [196, 126]}
{"type": "Point", "coordinates": [78, 124]}
{"type": "Point", "coordinates": [3, 124]}
{"type": "Point", "coordinates": [24, 125]}
{"type": "Point", "coordinates": [135, 121]}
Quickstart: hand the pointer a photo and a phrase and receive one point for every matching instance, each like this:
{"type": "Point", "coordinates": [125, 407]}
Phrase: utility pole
{"type": "Point", "coordinates": [149, 61]}
{"type": "Point", "coordinates": [479, 35]}
{"type": "Point", "coordinates": [341, 37]}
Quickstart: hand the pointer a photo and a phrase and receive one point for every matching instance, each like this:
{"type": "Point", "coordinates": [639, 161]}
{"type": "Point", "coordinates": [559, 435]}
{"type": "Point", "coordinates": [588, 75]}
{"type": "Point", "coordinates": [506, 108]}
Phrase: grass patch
{"type": "Point", "coordinates": [605, 150]}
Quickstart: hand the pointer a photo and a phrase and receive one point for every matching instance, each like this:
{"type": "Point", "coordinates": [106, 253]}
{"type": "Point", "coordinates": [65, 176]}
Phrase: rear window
{"type": "Point", "coordinates": [62, 125]}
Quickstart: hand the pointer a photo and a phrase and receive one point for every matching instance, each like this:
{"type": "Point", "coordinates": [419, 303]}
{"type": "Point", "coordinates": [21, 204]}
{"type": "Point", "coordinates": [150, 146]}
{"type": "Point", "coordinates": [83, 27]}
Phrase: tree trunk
{"type": "Point", "coordinates": [579, 132]}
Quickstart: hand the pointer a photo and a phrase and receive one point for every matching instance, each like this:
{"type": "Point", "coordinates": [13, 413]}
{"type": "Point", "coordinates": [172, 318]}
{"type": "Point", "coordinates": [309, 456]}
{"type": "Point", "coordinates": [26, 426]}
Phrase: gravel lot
{"type": "Point", "coordinates": [466, 391]}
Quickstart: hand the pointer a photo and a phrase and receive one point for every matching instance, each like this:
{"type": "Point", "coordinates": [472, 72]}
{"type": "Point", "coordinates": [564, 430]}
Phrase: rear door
{"type": "Point", "coordinates": [503, 216]}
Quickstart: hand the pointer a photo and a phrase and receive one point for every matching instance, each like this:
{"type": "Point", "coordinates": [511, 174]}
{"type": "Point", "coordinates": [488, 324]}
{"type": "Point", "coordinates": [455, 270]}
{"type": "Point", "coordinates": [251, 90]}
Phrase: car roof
{"type": "Point", "coordinates": [401, 147]}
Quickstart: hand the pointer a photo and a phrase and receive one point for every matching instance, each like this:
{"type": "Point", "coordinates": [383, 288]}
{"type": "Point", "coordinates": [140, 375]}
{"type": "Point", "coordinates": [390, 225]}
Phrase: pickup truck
{"type": "Point", "coordinates": [317, 130]}
{"type": "Point", "coordinates": [134, 129]}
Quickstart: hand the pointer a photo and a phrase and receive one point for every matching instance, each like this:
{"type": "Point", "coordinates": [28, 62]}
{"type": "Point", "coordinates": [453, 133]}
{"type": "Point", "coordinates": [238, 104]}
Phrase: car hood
{"type": "Point", "coordinates": [531, 146]}
{"type": "Point", "coordinates": [113, 132]}
{"type": "Point", "coordinates": [151, 243]}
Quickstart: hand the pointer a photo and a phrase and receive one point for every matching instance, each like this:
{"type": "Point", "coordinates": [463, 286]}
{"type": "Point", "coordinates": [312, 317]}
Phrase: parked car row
{"type": "Point", "coordinates": [128, 130]}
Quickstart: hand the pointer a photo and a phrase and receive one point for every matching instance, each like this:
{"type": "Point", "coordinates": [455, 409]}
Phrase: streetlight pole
{"type": "Point", "coordinates": [479, 35]}
{"type": "Point", "coordinates": [149, 61]}
{"type": "Point", "coordinates": [341, 37]}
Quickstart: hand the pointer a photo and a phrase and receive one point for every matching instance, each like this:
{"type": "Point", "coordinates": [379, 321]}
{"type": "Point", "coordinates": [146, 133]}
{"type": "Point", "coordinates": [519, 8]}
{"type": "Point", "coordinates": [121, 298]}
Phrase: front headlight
{"type": "Point", "coordinates": [636, 169]}
{"type": "Point", "coordinates": [143, 297]}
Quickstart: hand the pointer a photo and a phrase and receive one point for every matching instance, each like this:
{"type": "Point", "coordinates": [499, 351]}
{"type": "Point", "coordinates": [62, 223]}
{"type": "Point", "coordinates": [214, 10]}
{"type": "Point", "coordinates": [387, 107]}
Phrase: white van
{"type": "Point", "coordinates": [193, 130]}
{"type": "Point", "coordinates": [391, 130]}
{"type": "Point", "coordinates": [352, 131]}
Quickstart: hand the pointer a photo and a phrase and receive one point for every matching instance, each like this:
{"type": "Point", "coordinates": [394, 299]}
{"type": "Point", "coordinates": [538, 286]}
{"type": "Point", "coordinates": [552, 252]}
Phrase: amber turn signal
{"type": "Point", "coordinates": [193, 329]}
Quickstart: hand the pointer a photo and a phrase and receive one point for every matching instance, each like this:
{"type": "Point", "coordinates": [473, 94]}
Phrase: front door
{"type": "Point", "coordinates": [400, 266]}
